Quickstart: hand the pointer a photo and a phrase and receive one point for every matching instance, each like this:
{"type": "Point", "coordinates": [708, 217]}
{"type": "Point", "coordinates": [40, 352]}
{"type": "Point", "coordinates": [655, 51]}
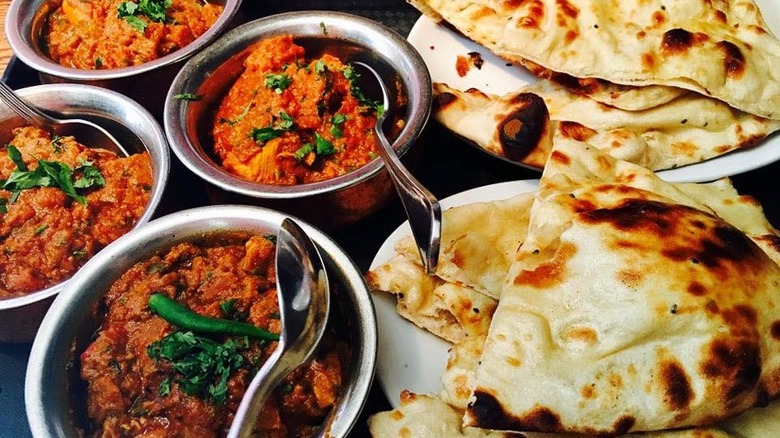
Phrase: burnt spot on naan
{"type": "Point", "coordinates": [733, 367]}
{"type": "Point", "coordinates": [576, 131]}
{"type": "Point", "coordinates": [443, 100]}
{"type": "Point", "coordinates": [733, 59]}
{"type": "Point", "coordinates": [520, 131]}
{"type": "Point", "coordinates": [741, 320]}
{"type": "Point", "coordinates": [560, 157]}
{"type": "Point", "coordinates": [716, 247]}
{"type": "Point", "coordinates": [487, 412]}
{"type": "Point", "coordinates": [775, 330]}
{"type": "Point", "coordinates": [533, 13]}
{"type": "Point", "coordinates": [677, 389]}
{"type": "Point", "coordinates": [551, 272]}
{"type": "Point", "coordinates": [679, 41]}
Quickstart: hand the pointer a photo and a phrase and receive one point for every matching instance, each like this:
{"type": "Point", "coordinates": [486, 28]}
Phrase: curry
{"type": "Point", "coordinates": [148, 376]}
{"type": "Point", "coordinates": [60, 203]}
{"type": "Point", "coordinates": [108, 34]}
{"type": "Point", "coordinates": [292, 120]}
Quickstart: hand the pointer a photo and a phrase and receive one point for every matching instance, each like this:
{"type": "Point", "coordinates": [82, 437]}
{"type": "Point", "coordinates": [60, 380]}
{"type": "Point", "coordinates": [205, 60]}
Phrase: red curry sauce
{"type": "Point", "coordinates": [103, 34]}
{"type": "Point", "coordinates": [131, 393]}
{"type": "Point", "coordinates": [45, 235]}
{"type": "Point", "coordinates": [292, 120]}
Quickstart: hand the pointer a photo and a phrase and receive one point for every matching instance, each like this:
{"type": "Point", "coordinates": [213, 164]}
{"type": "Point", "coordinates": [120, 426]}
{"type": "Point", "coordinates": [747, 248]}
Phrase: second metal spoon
{"type": "Point", "coordinates": [422, 207]}
{"type": "Point", "coordinates": [304, 305]}
{"type": "Point", "coordinates": [85, 131]}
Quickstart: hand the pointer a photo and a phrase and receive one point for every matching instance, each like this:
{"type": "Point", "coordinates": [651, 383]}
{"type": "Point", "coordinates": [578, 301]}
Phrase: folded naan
{"type": "Point", "coordinates": [522, 127]}
{"type": "Point", "coordinates": [624, 97]}
{"type": "Point", "coordinates": [717, 48]}
{"type": "Point", "coordinates": [631, 306]}
{"type": "Point", "coordinates": [426, 416]}
{"type": "Point", "coordinates": [448, 310]}
{"type": "Point", "coordinates": [478, 242]}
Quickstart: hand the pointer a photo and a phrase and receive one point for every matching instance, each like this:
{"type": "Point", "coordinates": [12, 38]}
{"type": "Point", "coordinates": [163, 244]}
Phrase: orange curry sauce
{"type": "Point", "coordinates": [288, 120]}
{"type": "Point", "coordinates": [132, 393]}
{"type": "Point", "coordinates": [45, 235]}
{"type": "Point", "coordinates": [91, 34]}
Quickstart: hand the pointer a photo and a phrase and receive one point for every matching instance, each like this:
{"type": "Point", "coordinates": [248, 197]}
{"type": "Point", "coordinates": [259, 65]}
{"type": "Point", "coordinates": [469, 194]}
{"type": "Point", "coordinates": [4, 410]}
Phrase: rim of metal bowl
{"type": "Point", "coordinates": [141, 117]}
{"type": "Point", "coordinates": [45, 384]}
{"type": "Point", "coordinates": [22, 13]}
{"type": "Point", "coordinates": [339, 25]}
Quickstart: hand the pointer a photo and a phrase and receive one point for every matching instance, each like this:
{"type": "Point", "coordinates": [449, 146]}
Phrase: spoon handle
{"type": "Point", "coordinates": [261, 386]}
{"type": "Point", "coordinates": [422, 207]}
{"type": "Point", "coordinates": [28, 112]}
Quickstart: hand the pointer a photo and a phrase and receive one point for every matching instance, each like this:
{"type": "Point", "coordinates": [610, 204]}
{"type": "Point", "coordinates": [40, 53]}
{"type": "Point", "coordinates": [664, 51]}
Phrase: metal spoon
{"type": "Point", "coordinates": [84, 131]}
{"type": "Point", "coordinates": [304, 304]}
{"type": "Point", "coordinates": [422, 207]}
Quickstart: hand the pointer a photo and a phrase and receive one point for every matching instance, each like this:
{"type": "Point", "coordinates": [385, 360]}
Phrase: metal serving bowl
{"type": "Point", "coordinates": [210, 73]}
{"type": "Point", "coordinates": [136, 130]}
{"type": "Point", "coordinates": [145, 83]}
{"type": "Point", "coordinates": [54, 405]}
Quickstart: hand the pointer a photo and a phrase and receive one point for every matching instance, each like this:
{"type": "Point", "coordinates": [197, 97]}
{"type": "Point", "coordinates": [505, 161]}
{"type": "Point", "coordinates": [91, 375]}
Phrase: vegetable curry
{"type": "Point", "coordinates": [107, 34]}
{"type": "Point", "coordinates": [292, 120]}
{"type": "Point", "coordinates": [60, 203]}
{"type": "Point", "coordinates": [148, 376]}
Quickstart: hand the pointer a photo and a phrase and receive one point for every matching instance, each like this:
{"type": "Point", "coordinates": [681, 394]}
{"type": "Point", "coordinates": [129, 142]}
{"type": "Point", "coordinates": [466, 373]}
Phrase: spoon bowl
{"type": "Point", "coordinates": [84, 131]}
{"type": "Point", "coordinates": [304, 305]}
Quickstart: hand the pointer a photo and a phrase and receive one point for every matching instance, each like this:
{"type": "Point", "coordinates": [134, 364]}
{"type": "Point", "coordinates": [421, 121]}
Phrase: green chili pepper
{"type": "Point", "coordinates": [184, 318]}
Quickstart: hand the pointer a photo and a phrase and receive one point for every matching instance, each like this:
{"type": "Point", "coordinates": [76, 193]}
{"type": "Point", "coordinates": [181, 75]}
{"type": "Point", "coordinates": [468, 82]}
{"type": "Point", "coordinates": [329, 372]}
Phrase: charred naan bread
{"type": "Point", "coordinates": [631, 306]}
{"type": "Point", "coordinates": [718, 48]}
{"type": "Point", "coordinates": [478, 242]}
{"type": "Point", "coordinates": [448, 310]}
{"type": "Point", "coordinates": [522, 126]}
{"type": "Point", "coordinates": [425, 416]}
{"type": "Point", "coordinates": [625, 97]}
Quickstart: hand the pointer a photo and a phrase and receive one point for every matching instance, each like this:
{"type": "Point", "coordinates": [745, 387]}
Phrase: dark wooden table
{"type": "Point", "coordinates": [442, 162]}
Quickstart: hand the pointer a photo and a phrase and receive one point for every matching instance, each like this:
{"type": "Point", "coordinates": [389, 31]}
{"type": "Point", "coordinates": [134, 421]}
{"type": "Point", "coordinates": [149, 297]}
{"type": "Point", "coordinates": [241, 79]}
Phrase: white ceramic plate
{"type": "Point", "coordinates": [440, 47]}
{"type": "Point", "coordinates": [409, 357]}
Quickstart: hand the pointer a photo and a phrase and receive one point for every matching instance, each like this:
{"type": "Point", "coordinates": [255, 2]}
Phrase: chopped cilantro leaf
{"type": "Point", "coordinates": [51, 174]}
{"type": "Point", "coordinates": [40, 229]}
{"type": "Point", "coordinates": [262, 135]}
{"type": "Point", "coordinates": [303, 151]}
{"type": "Point", "coordinates": [154, 10]}
{"type": "Point", "coordinates": [323, 146]}
{"type": "Point", "coordinates": [277, 82]}
{"type": "Point", "coordinates": [202, 366]}
{"type": "Point", "coordinates": [320, 67]}
{"type": "Point", "coordinates": [354, 89]}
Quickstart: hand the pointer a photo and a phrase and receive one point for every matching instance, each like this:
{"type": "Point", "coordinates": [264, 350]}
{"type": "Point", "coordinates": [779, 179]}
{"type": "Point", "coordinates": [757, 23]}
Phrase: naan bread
{"type": "Point", "coordinates": [478, 242]}
{"type": "Point", "coordinates": [631, 306]}
{"type": "Point", "coordinates": [425, 416]}
{"type": "Point", "coordinates": [517, 126]}
{"type": "Point", "coordinates": [718, 48]}
{"type": "Point", "coordinates": [625, 97]}
{"type": "Point", "coordinates": [450, 311]}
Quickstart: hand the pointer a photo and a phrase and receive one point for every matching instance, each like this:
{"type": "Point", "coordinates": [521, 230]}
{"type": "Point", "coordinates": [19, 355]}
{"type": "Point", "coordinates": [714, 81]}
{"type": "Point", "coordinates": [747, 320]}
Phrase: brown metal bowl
{"type": "Point", "coordinates": [210, 73]}
{"type": "Point", "coordinates": [136, 130]}
{"type": "Point", "coordinates": [146, 83]}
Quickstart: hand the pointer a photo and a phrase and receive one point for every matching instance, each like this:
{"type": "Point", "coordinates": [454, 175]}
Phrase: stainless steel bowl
{"type": "Point", "coordinates": [145, 83]}
{"type": "Point", "coordinates": [210, 73]}
{"type": "Point", "coordinates": [53, 370]}
{"type": "Point", "coordinates": [131, 124]}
